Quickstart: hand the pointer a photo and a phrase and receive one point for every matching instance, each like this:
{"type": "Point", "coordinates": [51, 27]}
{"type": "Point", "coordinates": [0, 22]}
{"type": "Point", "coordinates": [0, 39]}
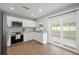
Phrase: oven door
{"type": "Point", "coordinates": [15, 39]}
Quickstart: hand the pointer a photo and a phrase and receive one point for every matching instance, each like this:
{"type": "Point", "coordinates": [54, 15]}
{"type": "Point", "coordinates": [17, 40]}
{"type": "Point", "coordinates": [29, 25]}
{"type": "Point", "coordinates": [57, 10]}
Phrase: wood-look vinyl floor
{"type": "Point", "coordinates": [35, 48]}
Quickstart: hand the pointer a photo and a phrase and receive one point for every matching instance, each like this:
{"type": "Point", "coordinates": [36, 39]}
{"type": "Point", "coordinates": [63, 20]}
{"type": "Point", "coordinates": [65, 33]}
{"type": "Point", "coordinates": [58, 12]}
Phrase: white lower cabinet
{"type": "Point", "coordinates": [38, 36]}
{"type": "Point", "coordinates": [41, 37]}
{"type": "Point", "coordinates": [9, 40]}
{"type": "Point", "coordinates": [27, 36]}
{"type": "Point", "coordinates": [45, 38]}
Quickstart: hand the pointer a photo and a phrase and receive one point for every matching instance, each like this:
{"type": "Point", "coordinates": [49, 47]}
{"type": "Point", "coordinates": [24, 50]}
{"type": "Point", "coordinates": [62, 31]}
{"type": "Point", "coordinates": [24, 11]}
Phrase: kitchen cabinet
{"type": "Point", "coordinates": [25, 22]}
{"type": "Point", "coordinates": [45, 38]}
{"type": "Point", "coordinates": [29, 23]}
{"type": "Point", "coordinates": [8, 40]}
{"type": "Point", "coordinates": [27, 36]}
{"type": "Point", "coordinates": [9, 21]}
{"type": "Point", "coordinates": [41, 37]}
{"type": "Point", "coordinates": [38, 36]}
{"type": "Point", "coordinates": [35, 36]}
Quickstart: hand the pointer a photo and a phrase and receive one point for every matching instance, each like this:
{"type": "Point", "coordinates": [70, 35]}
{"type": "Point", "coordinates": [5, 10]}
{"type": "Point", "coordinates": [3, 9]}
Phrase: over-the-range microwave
{"type": "Point", "coordinates": [16, 24]}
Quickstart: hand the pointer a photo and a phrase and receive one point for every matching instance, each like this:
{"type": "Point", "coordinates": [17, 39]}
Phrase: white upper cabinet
{"type": "Point", "coordinates": [25, 22]}
{"type": "Point", "coordinates": [8, 21]}
{"type": "Point", "coordinates": [29, 23]}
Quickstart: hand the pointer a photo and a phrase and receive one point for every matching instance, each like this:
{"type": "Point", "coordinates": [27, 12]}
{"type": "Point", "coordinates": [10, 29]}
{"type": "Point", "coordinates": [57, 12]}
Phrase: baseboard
{"type": "Point", "coordinates": [38, 41]}
{"type": "Point", "coordinates": [64, 47]}
{"type": "Point", "coordinates": [25, 42]}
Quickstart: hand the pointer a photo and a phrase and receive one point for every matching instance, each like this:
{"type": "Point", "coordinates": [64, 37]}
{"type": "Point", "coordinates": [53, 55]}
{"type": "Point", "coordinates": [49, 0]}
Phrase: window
{"type": "Point", "coordinates": [56, 28]}
{"type": "Point", "coordinates": [69, 28]}
{"type": "Point", "coordinates": [73, 27]}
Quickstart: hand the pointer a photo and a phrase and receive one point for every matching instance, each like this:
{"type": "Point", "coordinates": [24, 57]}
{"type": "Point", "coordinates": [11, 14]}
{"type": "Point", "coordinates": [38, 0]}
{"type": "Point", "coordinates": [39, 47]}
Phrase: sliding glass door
{"type": "Point", "coordinates": [63, 30]}
{"type": "Point", "coordinates": [69, 32]}
{"type": "Point", "coordinates": [56, 31]}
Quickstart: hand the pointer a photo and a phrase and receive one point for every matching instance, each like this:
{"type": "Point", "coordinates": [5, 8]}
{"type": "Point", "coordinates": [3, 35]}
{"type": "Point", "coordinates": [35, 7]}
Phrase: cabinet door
{"type": "Point", "coordinates": [40, 37]}
{"type": "Point", "coordinates": [27, 36]}
{"type": "Point", "coordinates": [45, 38]}
{"type": "Point", "coordinates": [9, 21]}
{"type": "Point", "coordinates": [30, 37]}
{"type": "Point", "coordinates": [9, 40]}
{"type": "Point", "coordinates": [28, 23]}
{"type": "Point", "coordinates": [24, 23]}
{"type": "Point", "coordinates": [35, 36]}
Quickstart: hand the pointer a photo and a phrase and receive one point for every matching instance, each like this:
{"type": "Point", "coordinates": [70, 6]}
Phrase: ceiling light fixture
{"type": "Point", "coordinates": [32, 14]}
{"type": "Point", "coordinates": [40, 10]}
{"type": "Point", "coordinates": [11, 8]}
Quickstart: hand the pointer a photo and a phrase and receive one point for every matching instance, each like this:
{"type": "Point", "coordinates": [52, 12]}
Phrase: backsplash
{"type": "Point", "coordinates": [14, 29]}
{"type": "Point", "coordinates": [17, 29]}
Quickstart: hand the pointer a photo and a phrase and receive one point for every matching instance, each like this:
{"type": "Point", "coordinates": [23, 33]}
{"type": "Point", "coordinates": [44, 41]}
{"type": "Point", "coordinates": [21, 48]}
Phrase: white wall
{"type": "Point", "coordinates": [44, 21]}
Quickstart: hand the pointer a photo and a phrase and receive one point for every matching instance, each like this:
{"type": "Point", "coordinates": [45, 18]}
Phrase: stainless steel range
{"type": "Point", "coordinates": [16, 37]}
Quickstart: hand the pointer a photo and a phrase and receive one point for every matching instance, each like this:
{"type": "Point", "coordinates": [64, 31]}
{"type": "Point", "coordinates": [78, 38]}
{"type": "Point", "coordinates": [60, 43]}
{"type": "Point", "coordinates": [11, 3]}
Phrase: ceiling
{"type": "Point", "coordinates": [33, 10]}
